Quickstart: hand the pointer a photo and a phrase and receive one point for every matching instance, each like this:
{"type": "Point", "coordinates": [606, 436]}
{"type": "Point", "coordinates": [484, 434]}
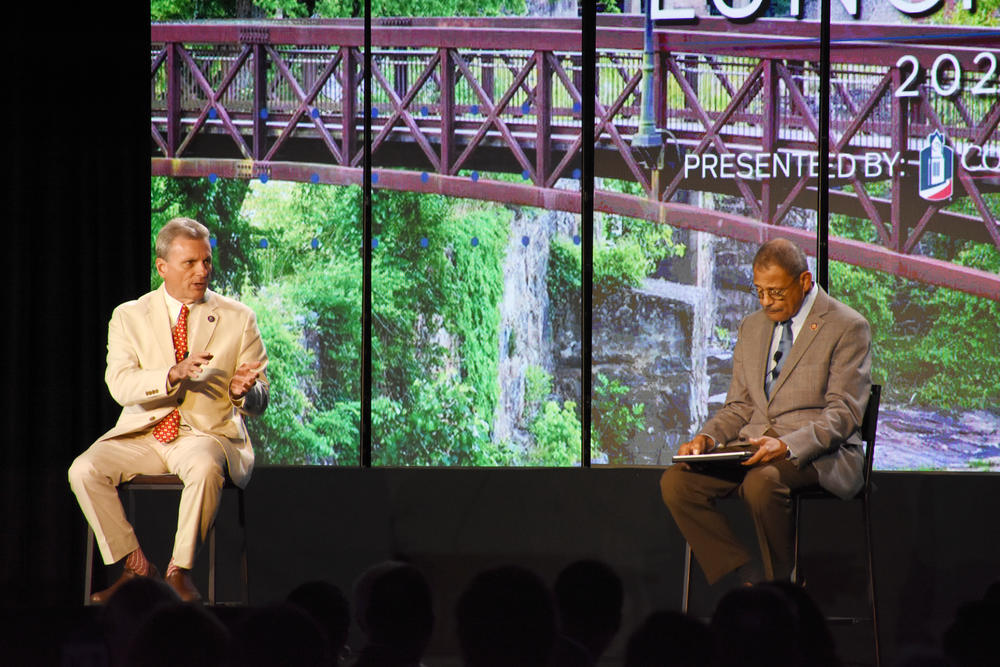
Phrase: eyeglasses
{"type": "Point", "coordinates": [776, 293]}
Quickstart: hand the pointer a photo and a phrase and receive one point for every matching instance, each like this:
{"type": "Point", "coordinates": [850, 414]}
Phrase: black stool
{"type": "Point", "coordinates": [869, 426]}
{"type": "Point", "coordinates": [173, 483]}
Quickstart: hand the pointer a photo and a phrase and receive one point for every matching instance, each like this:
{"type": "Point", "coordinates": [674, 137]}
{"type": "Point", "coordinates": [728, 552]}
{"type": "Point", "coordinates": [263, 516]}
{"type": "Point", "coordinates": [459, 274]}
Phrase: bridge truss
{"type": "Point", "coordinates": [456, 101]}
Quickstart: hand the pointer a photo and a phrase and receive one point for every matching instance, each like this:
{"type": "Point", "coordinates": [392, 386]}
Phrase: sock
{"type": "Point", "coordinates": [749, 573]}
{"type": "Point", "coordinates": [137, 562]}
{"type": "Point", "coordinates": [172, 567]}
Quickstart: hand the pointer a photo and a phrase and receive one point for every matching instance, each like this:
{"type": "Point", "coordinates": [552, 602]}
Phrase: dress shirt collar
{"type": "Point", "coordinates": [799, 318]}
{"type": "Point", "coordinates": [174, 307]}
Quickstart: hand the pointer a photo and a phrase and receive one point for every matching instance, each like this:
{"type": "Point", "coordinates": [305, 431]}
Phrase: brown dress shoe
{"type": "Point", "coordinates": [101, 597]}
{"type": "Point", "coordinates": [180, 581]}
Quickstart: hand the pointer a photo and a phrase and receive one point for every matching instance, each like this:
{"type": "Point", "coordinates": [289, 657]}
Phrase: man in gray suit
{"type": "Point", "coordinates": [800, 384]}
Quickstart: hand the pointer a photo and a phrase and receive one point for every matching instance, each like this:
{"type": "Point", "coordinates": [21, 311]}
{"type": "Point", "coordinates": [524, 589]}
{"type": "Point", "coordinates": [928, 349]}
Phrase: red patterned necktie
{"type": "Point", "coordinates": [166, 430]}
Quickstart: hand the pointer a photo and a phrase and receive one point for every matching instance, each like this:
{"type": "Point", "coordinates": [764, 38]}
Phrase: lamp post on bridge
{"type": "Point", "coordinates": [647, 142]}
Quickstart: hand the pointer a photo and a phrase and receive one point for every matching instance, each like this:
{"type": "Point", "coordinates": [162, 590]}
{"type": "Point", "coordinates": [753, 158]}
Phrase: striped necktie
{"type": "Point", "coordinates": [166, 429]}
{"type": "Point", "coordinates": [784, 347]}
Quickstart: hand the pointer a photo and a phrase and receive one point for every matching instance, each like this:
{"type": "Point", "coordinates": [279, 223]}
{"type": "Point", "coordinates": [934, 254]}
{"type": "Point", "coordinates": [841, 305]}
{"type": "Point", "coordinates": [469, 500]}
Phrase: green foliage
{"type": "Point", "coordinates": [987, 13]}
{"type": "Point", "coordinates": [174, 10]}
{"type": "Point", "coordinates": [629, 249]}
{"type": "Point", "coordinates": [619, 267]}
{"type": "Point", "coordinates": [450, 287]}
{"type": "Point", "coordinates": [438, 426]}
{"type": "Point", "coordinates": [563, 279]}
{"type": "Point", "coordinates": [435, 308]}
{"type": "Point", "coordinates": [557, 435]}
{"type": "Point", "coordinates": [922, 335]}
{"type": "Point", "coordinates": [613, 420]}
{"type": "Point", "coordinates": [293, 430]}
{"type": "Point", "coordinates": [537, 387]}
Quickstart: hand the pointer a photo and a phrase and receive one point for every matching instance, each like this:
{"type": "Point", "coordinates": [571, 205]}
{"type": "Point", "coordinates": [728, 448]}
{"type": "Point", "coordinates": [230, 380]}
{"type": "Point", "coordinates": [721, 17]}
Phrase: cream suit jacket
{"type": "Point", "coordinates": [141, 353]}
{"type": "Point", "coordinates": [818, 401]}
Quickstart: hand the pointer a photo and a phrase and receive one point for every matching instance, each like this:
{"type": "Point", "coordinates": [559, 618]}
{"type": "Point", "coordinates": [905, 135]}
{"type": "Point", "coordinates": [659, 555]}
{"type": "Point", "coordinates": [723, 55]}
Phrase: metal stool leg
{"type": "Point", "coordinates": [686, 594]}
{"type": "Point", "coordinates": [211, 564]}
{"type": "Point", "coordinates": [244, 565]}
{"type": "Point", "coordinates": [88, 574]}
{"type": "Point", "coordinates": [796, 579]}
{"type": "Point", "coordinates": [869, 558]}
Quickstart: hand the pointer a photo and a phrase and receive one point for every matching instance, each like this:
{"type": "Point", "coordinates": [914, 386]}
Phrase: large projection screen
{"type": "Point", "coordinates": [476, 276]}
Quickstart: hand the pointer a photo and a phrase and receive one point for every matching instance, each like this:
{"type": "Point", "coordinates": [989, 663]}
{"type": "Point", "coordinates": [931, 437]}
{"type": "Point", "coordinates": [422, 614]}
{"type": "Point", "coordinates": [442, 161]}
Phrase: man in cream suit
{"type": "Point", "coordinates": [797, 403]}
{"type": "Point", "coordinates": [186, 364]}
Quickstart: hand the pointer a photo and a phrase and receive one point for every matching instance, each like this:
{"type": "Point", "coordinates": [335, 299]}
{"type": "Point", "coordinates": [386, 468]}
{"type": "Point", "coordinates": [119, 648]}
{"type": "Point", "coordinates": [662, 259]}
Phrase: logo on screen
{"type": "Point", "coordinates": [937, 168]}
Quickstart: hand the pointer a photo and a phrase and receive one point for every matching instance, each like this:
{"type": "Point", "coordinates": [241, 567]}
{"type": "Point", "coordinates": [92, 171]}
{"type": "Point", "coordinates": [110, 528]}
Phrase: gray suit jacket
{"type": "Point", "coordinates": [818, 401]}
{"type": "Point", "coordinates": [141, 353]}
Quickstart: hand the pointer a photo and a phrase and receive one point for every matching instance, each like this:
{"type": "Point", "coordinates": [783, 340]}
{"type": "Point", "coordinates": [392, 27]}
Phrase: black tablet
{"type": "Point", "coordinates": [715, 457]}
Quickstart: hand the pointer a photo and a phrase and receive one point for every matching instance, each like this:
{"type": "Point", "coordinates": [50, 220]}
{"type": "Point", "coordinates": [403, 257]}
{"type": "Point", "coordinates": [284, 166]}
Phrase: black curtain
{"type": "Point", "coordinates": [74, 113]}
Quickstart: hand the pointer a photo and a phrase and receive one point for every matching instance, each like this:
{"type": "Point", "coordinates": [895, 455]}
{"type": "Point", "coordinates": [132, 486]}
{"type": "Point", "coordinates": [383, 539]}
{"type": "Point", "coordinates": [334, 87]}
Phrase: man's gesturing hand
{"type": "Point", "coordinates": [768, 449]}
{"type": "Point", "coordinates": [244, 378]}
{"type": "Point", "coordinates": [699, 444]}
{"type": "Point", "coordinates": [188, 368]}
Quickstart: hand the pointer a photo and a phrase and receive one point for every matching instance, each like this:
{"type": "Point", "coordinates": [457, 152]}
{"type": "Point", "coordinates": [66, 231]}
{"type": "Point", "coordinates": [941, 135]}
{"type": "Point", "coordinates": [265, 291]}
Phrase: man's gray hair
{"type": "Point", "coordinates": [186, 227]}
{"type": "Point", "coordinates": [783, 253]}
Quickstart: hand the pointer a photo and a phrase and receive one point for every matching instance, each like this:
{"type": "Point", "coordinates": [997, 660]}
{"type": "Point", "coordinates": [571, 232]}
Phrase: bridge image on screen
{"type": "Point", "coordinates": [476, 149]}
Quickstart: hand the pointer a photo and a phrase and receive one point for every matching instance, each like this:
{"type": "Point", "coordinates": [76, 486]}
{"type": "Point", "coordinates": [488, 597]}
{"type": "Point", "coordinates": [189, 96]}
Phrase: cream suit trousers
{"type": "Point", "coordinates": [198, 460]}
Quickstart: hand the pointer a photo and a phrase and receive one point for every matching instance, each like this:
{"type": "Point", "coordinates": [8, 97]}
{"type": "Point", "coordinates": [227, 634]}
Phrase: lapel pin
{"type": "Point", "coordinates": [211, 318]}
{"type": "Point", "coordinates": [813, 326]}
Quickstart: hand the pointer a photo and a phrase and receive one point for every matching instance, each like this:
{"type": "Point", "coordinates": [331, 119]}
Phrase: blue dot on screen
{"type": "Point", "coordinates": [576, 107]}
{"type": "Point", "coordinates": [212, 178]}
{"type": "Point", "coordinates": [263, 178]}
{"type": "Point", "coordinates": [526, 107]}
{"type": "Point", "coordinates": [315, 113]}
{"type": "Point", "coordinates": [314, 243]}
{"type": "Point", "coordinates": [314, 178]}
{"type": "Point", "coordinates": [475, 241]}
{"type": "Point", "coordinates": [576, 174]}
{"type": "Point", "coordinates": [424, 177]}
{"type": "Point", "coordinates": [525, 241]}
{"type": "Point", "coordinates": [213, 242]}
{"type": "Point", "coordinates": [212, 113]}
{"type": "Point", "coordinates": [374, 243]}
{"type": "Point", "coordinates": [263, 243]}
{"type": "Point", "coordinates": [576, 239]}
{"type": "Point", "coordinates": [475, 176]}
{"type": "Point", "coordinates": [525, 174]}
{"type": "Point", "coordinates": [424, 242]}
{"type": "Point", "coordinates": [263, 114]}
{"type": "Point", "coordinates": [374, 112]}
{"type": "Point", "coordinates": [374, 178]}
{"type": "Point", "coordinates": [424, 111]}
{"type": "Point", "coordinates": [474, 109]}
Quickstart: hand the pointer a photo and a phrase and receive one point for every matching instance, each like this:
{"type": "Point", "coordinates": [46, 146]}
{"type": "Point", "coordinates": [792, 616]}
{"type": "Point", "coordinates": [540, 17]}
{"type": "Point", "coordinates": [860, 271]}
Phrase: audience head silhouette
{"type": "Point", "coordinates": [669, 639]}
{"type": "Point", "coordinates": [970, 640]}
{"type": "Point", "coordinates": [179, 634]}
{"type": "Point", "coordinates": [589, 597]}
{"type": "Point", "coordinates": [756, 626]}
{"type": "Point", "coordinates": [279, 634]}
{"type": "Point", "coordinates": [505, 617]}
{"type": "Point", "coordinates": [815, 638]}
{"type": "Point", "coordinates": [328, 606]}
{"type": "Point", "coordinates": [128, 608]}
{"type": "Point", "coordinates": [394, 608]}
